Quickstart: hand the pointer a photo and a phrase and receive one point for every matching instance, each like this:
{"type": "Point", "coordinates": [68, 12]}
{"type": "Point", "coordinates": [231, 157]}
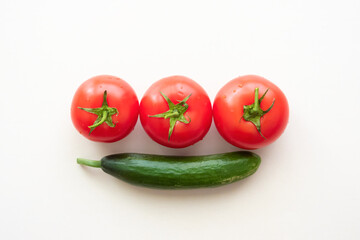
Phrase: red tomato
{"type": "Point", "coordinates": [245, 124]}
{"type": "Point", "coordinates": [176, 112]}
{"type": "Point", "coordinates": [104, 109]}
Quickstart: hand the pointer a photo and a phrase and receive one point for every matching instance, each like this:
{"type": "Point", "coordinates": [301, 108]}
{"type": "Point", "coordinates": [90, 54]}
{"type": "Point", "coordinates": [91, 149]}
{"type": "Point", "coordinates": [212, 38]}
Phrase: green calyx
{"type": "Point", "coordinates": [254, 113]}
{"type": "Point", "coordinates": [175, 113]}
{"type": "Point", "coordinates": [104, 114]}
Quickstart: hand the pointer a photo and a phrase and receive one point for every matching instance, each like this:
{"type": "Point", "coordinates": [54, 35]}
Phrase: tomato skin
{"type": "Point", "coordinates": [228, 112]}
{"type": "Point", "coordinates": [120, 95]}
{"type": "Point", "coordinates": [199, 111]}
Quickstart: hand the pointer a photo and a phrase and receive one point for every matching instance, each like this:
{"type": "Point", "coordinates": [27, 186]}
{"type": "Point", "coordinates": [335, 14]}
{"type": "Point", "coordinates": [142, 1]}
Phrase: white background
{"type": "Point", "coordinates": [308, 186]}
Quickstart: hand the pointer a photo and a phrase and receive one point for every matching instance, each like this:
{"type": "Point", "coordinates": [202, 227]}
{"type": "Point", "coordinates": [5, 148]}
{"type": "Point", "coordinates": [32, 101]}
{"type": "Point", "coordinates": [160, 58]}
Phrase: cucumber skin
{"type": "Point", "coordinates": [181, 172]}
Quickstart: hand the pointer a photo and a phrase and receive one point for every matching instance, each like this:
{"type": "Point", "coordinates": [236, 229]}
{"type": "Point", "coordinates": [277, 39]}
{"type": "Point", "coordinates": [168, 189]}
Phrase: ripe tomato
{"type": "Point", "coordinates": [104, 109]}
{"type": "Point", "coordinates": [176, 112]}
{"type": "Point", "coordinates": [250, 118]}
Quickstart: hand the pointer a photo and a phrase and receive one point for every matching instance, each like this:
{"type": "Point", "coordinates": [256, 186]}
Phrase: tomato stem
{"type": "Point", "coordinates": [253, 112]}
{"type": "Point", "coordinates": [104, 114]}
{"type": "Point", "coordinates": [256, 100]}
{"type": "Point", "coordinates": [175, 113]}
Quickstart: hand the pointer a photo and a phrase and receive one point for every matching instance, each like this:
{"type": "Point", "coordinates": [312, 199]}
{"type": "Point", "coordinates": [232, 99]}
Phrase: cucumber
{"type": "Point", "coordinates": [178, 172]}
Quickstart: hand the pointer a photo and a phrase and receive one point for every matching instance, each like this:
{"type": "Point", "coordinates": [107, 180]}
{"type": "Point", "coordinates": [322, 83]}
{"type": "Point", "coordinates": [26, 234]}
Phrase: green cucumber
{"type": "Point", "coordinates": [178, 172]}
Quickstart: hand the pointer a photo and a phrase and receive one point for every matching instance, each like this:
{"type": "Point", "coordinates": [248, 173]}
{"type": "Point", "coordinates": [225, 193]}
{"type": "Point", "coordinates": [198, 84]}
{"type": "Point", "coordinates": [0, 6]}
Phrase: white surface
{"type": "Point", "coordinates": [308, 186]}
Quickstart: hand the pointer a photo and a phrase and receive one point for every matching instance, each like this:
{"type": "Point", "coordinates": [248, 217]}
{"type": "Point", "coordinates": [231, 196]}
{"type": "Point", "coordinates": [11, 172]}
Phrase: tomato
{"type": "Point", "coordinates": [250, 112]}
{"type": "Point", "coordinates": [176, 112]}
{"type": "Point", "coordinates": [104, 109]}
